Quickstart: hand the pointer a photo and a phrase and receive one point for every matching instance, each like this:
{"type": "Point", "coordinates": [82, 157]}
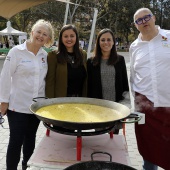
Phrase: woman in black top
{"type": "Point", "coordinates": [107, 74]}
{"type": "Point", "coordinates": [66, 76]}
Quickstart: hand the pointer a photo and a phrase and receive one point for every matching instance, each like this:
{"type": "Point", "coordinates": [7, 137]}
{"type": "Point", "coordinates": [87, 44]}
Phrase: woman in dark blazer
{"type": "Point", "coordinates": [107, 74]}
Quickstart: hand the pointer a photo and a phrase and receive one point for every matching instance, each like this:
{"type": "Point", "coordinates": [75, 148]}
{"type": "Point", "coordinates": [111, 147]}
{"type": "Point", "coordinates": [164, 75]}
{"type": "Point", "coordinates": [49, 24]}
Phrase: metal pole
{"type": "Point", "coordinates": [66, 13]}
{"type": "Point", "coordinates": [92, 32]}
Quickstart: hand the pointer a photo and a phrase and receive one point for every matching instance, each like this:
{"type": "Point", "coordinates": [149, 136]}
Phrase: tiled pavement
{"type": "Point", "coordinates": [135, 158]}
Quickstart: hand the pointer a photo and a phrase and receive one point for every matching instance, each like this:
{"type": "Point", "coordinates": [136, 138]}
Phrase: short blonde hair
{"type": "Point", "coordinates": [48, 25]}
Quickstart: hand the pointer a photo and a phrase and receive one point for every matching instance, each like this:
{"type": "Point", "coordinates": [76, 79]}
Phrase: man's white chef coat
{"type": "Point", "coordinates": [150, 68]}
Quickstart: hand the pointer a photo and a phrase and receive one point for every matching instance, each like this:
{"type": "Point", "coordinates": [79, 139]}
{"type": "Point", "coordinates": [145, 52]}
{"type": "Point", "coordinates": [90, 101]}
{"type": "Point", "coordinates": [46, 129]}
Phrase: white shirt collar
{"type": "Point", "coordinates": [24, 47]}
{"type": "Point", "coordinates": [161, 32]}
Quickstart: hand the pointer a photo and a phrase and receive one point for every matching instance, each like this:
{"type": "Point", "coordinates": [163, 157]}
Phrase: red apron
{"type": "Point", "coordinates": [153, 137]}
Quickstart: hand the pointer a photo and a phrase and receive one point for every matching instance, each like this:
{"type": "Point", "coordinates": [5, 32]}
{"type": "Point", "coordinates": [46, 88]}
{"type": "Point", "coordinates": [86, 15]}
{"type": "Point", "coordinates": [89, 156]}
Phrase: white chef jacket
{"type": "Point", "coordinates": [150, 68]}
{"type": "Point", "coordinates": [23, 78]}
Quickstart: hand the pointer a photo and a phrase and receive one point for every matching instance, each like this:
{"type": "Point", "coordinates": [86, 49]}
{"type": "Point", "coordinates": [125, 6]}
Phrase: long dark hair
{"type": "Point", "coordinates": [98, 52]}
{"type": "Point", "coordinates": [62, 51]}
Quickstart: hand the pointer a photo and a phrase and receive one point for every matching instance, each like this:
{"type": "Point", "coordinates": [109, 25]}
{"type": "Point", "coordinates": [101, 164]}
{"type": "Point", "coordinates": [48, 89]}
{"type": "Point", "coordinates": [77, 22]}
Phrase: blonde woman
{"type": "Point", "coordinates": [23, 78]}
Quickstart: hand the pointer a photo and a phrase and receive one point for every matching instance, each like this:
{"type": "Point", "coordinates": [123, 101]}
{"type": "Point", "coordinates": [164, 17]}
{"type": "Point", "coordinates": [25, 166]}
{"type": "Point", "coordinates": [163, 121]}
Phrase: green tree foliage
{"type": "Point", "coordinates": [120, 17]}
{"type": "Point", "coordinates": [162, 12]}
{"type": "Point", "coordinates": [114, 14]}
{"type": "Point", "coordinates": [2, 23]}
{"type": "Point", "coordinates": [52, 11]}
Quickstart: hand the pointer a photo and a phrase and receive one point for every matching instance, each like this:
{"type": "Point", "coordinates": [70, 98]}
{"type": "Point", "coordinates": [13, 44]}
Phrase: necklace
{"type": "Point", "coordinates": [71, 59]}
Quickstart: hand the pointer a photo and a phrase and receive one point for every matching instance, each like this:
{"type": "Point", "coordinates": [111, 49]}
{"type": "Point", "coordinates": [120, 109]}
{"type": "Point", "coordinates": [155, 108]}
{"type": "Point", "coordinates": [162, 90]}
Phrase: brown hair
{"type": "Point", "coordinates": [62, 51]}
{"type": "Point", "coordinates": [98, 53]}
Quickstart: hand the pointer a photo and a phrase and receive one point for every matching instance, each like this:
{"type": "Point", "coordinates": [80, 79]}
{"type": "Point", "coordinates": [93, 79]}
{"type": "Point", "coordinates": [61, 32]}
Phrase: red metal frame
{"type": "Point", "coordinates": [79, 141]}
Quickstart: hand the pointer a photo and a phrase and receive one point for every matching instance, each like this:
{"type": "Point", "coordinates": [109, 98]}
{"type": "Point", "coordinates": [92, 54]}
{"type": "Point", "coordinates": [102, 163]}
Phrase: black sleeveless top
{"type": "Point", "coordinates": [76, 77]}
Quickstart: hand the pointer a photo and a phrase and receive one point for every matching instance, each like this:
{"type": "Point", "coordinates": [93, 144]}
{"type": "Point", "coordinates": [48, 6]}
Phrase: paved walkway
{"type": "Point", "coordinates": [135, 158]}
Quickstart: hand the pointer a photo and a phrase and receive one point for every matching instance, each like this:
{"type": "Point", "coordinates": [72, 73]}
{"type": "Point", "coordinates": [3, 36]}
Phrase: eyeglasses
{"type": "Point", "coordinates": [139, 21]}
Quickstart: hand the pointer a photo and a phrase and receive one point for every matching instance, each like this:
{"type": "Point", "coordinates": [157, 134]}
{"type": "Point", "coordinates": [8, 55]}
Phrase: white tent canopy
{"type": "Point", "coordinates": [11, 31]}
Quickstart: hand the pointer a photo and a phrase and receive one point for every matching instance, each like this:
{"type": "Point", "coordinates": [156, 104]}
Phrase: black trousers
{"type": "Point", "coordinates": [23, 128]}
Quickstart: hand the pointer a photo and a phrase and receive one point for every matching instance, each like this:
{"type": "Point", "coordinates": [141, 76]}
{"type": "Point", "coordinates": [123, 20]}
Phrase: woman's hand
{"type": "Point", "coordinates": [3, 108]}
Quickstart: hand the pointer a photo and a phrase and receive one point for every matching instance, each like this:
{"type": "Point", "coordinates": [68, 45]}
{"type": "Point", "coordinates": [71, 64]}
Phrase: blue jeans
{"type": "Point", "coordinates": [149, 166]}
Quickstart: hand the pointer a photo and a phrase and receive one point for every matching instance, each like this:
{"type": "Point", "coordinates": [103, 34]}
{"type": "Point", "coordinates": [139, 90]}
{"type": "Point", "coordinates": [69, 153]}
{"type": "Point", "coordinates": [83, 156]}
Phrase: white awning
{"type": "Point", "coordinates": [11, 31]}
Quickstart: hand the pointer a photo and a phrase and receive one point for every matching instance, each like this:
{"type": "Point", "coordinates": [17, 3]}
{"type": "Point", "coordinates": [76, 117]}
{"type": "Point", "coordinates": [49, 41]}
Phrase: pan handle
{"type": "Point", "coordinates": [35, 98]}
{"type": "Point", "coordinates": [136, 117]}
{"type": "Point", "coordinates": [99, 152]}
